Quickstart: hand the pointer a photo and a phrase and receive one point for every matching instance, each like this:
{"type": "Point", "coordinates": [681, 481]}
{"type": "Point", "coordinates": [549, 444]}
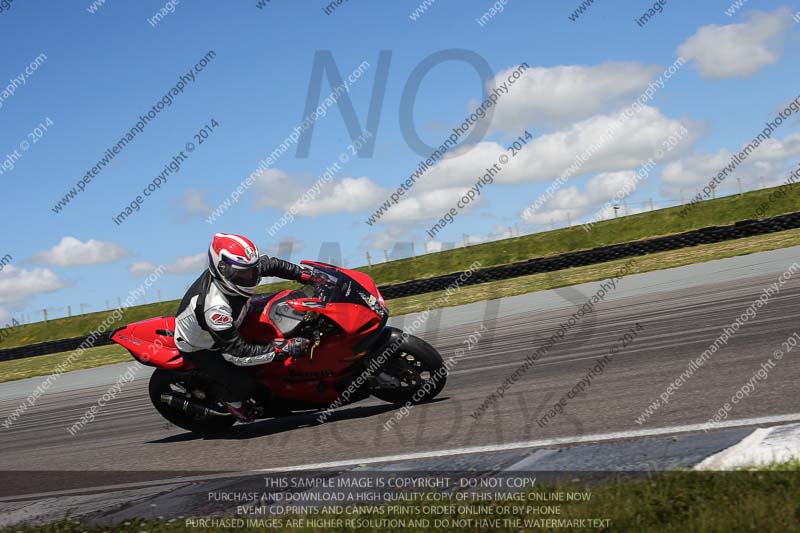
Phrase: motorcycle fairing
{"type": "Point", "coordinates": [151, 342]}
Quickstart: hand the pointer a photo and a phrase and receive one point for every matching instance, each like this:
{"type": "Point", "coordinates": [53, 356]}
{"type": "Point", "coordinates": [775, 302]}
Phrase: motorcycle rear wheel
{"type": "Point", "coordinates": [419, 368]}
{"type": "Point", "coordinates": [169, 382]}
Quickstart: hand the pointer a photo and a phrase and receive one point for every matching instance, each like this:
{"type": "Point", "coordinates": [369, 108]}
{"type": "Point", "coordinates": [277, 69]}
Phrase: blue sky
{"type": "Point", "coordinates": [103, 70]}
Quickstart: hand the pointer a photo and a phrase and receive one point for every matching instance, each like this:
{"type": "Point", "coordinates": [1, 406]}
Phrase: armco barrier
{"type": "Point", "coordinates": [44, 348]}
{"type": "Point", "coordinates": [745, 228]}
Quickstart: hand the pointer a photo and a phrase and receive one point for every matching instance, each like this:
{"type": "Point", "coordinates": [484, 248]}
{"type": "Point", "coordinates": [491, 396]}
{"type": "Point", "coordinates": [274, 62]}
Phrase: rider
{"type": "Point", "coordinates": [208, 318]}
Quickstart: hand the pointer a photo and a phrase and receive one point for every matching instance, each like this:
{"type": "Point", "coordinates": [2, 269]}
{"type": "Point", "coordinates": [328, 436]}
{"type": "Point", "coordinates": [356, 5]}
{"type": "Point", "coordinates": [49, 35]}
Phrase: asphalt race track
{"type": "Point", "coordinates": [680, 312]}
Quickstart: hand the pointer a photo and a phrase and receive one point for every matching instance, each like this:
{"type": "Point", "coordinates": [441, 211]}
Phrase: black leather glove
{"type": "Point", "coordinates": [272, 266]}
{"type": "Point", "coordinates": [285, 348]}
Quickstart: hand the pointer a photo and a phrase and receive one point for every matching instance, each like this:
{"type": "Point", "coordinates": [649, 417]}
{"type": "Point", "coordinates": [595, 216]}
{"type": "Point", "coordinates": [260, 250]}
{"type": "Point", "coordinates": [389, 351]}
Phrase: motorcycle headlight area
{"type": "Point", "coordinates": [372, 302]}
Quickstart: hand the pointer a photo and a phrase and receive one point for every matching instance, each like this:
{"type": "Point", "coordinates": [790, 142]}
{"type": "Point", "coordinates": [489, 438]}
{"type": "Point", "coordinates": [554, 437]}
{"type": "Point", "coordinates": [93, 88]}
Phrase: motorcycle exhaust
{"type": "Point", "coordinates": [189, 406]}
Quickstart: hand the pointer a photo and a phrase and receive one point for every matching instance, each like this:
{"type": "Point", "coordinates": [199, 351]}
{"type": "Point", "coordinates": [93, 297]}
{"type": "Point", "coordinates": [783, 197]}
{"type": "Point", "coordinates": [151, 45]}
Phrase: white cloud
{"type": "Point", "coordinates": [347, 195]}
{"type": "Point", "coordinates": [279, 190]}
{"type": "Point", "coordinates": [556, 95]}
{"type": "Point", "coordinates": [570, 203]}
{"type": "Point", "coordinates": [141, 268]}
{"type": "Point", "coordinates": [548, 156]}
{"type": "Point", "coordinates": [768, 160]}
{"type": "Point", "coordinates": [738, 50]}
{"type": "Point", "coordinates": [429, 204]}
{"type": "Point", "coordinates": [193, 203]}
{"type": "Point", "coordinates": [387, 239]}
{"type": "Point", "coordinates": [71, 252]}
{"type": "Point", "coordinates": [635, 141]}
{"type": "Point", "coordinates": [19, 283]}
{"type": "Point", "coordinates": [189, 264]}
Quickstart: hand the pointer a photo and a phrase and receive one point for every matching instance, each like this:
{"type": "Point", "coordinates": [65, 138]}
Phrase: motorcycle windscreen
{"type": "Point", "coordinates": [151, 342]}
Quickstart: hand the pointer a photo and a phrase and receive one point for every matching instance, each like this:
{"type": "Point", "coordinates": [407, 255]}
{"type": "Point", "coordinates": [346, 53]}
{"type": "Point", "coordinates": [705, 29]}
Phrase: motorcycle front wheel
{"type": "Point", "coordinates": [415, 374]}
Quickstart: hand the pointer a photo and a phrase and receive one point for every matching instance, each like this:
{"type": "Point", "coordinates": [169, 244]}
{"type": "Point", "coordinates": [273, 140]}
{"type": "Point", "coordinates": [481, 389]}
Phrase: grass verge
{"type": "Point", "coordinates": [43, 365]}
{"type": "Point", "coordinates": [670, 502]}
{"type": "Point", "coordinates": [104, 355]}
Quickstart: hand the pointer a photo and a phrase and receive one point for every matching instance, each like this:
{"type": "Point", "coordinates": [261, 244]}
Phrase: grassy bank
{"type": "Point", "coordinates": [764, 500]}
{"type": "Point", "coordinates": [642, 226]}
{"type": "Point", "coordinates": [43, 365]}
{"type": "Point", "coordinates": [585, 274]}
{"type": "Point", "coordinates": [105, 355]}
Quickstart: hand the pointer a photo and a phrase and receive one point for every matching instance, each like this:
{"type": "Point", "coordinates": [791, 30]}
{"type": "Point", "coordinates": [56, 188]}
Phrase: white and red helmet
{"type": "Point", "coordinates": [233, 262]}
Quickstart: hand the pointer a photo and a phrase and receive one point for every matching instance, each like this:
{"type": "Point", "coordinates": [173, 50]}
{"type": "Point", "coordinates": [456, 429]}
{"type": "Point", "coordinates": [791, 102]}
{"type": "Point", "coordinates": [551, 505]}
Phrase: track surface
{"type": "Point", "coordinates": [679, 319]}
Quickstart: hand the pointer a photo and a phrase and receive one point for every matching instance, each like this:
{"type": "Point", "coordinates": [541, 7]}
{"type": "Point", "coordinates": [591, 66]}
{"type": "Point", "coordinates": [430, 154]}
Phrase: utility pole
{"type": "Point", "coordinates": [386, 256]}
{"type": "Point", "coordinates": [739, 181]}
{"type": "Point", "coordinates": [44, 312]}
{"type": "Point", "coordinates": [625, 203]}
{"type": "Point", "coordinates": [651, 205]}
{"type": "Point", "coordinates": [616, 208]}
{"type": "Point", "coordinates": [569, 219]}
{"type": "Point", "coordinates": [413, 253]}
{"type": "Point", "coordinates": [69, 310]}
{"type": "Point", "coordinates": [369, 259]}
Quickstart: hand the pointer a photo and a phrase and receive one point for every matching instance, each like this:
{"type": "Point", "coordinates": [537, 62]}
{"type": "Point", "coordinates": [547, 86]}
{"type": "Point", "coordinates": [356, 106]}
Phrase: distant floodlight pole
{"type": "Point", "coordinates": [739, 181]}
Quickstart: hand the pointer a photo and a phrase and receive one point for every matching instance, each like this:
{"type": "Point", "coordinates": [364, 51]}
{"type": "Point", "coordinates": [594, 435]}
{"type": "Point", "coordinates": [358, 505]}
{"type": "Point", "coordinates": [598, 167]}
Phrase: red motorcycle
{"type": "Point", "coordinates": [354, 355]}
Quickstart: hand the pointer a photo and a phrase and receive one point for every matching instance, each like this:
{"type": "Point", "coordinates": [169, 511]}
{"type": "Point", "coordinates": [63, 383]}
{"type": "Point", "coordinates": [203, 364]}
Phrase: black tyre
{"type": "Point", "coordinates": [187, 386]}
{"type": "Point", "coordinates": [421, 373]}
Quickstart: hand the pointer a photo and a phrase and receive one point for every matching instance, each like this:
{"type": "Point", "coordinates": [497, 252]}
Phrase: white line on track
{"type": "Point", "coordinates": [779, 419]}
{"type": "Point", "coordinates": [794, 417]}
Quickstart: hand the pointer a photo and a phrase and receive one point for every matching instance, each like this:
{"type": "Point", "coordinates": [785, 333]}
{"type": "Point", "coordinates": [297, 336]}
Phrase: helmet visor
{"type": "Point", "coordinates": [242, 276]}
